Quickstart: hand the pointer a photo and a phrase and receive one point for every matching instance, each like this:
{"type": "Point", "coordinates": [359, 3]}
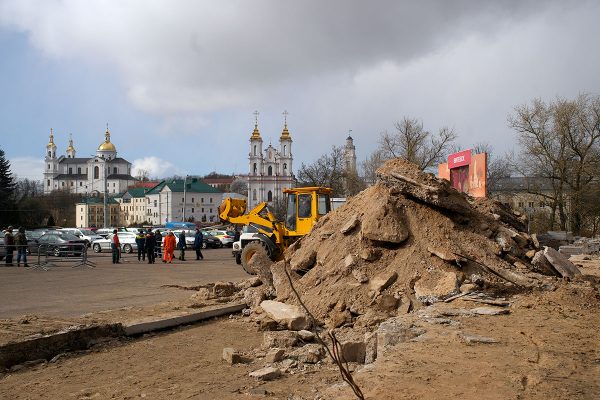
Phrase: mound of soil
{"type": "Point", "coordinates": [409, 240]}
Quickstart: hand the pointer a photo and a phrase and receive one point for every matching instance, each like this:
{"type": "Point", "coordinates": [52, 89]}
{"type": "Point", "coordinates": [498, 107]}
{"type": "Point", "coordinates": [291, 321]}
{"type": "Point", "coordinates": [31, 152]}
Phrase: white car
{"type": "Point", "coordinates": [127, 240]}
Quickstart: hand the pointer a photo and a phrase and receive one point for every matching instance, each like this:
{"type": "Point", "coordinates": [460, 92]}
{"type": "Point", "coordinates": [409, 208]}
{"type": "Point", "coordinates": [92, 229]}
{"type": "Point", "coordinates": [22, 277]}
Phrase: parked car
{"type": "Point", "coordinates": [127, 240]}
{"type": "Point", "coordinates": [86, 234]}
{"type": "Point", "coordinates": [209, 240]}
{"type": "Point", "coordinates": [226, 237]}
{"type": "Point", "coordinates": [58, 243]}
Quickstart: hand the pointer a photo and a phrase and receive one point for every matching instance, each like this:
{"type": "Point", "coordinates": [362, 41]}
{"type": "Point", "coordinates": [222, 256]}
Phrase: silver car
{"type": "Point", "coordinates": [127, 240]}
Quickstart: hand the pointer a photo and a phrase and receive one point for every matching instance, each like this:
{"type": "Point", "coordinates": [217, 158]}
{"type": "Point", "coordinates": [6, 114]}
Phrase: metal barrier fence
{"type": "Point", "coordinates": [54, 254]}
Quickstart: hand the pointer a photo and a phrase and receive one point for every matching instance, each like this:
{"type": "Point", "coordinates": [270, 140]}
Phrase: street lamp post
{"type": "Point", "coordinates": [105, 193]}
{"type": "Point", "coordinates": [184, 192]}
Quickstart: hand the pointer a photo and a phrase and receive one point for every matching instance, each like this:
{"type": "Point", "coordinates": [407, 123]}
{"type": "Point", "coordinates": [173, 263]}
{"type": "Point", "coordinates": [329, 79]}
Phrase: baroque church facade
{"type": "Point", "coordinates": [270, 169]}
{"type": "Point", "coordinates": [86, 175]}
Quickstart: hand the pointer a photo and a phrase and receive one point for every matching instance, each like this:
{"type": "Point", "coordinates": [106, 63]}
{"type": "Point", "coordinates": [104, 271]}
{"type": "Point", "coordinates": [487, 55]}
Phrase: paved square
{"type": "Point", "coordinates": [67, 291]}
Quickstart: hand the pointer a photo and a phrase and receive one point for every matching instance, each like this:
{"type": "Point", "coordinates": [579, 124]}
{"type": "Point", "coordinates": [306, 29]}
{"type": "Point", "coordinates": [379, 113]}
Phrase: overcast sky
{"type": "Point", "coordinates": [178, 81]}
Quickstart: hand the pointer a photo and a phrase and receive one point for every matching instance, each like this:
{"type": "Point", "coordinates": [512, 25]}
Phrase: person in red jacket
{"type": "Point", "coordinates": [170, 243]}
{"type": "Point", "coordinates": [115, 246]}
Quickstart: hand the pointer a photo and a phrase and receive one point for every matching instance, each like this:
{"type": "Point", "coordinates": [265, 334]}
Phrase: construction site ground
{"type": "Point", "coordinates": [547, 346]}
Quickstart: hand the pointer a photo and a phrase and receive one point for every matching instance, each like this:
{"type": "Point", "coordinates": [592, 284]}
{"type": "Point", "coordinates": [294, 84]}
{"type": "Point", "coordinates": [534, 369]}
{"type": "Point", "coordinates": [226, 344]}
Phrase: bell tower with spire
{"type": "Point", "coordinates": [285, 149]}
{"type": "Point", "coordinates": [51, 164]}
{"type": "Point", "coordinates": [70, 149]}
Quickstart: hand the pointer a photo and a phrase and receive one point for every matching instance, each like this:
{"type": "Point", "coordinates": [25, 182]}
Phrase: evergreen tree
{"type": "Point", "coordinates": [7, 189]}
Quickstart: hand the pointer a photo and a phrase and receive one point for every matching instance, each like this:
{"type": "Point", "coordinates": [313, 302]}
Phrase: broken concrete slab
{"type": "Point", "coordinates": [436, 285]}
{"type": "Point", "coordinates": [266, 374]}
{"type": "Point", "coordinates": [306, 336]}
{"type": "Point", "coordinates": [274, 355]}
{"type": "Point", "coordinates": [394, 331]}
{"type": "Point", "coordinates": [383, 281]}
{"type": "Point", "coordinates": [354, 351]}
{"type": "Point", "coordinates": [158, 324]}
{"type": "Point", "coordinates": [470, 338]}
{"type": "Point", "coordinates": [564, 267]}
{"type": "Point", "coordinates": [290, 316]}
{"type": "Point", "coordinates": [351, 224]}
{"type": "Point", "coordinates": [232, 356]}
{"type": "Point", "coordinates": [308, 354]}
{"type": "Point", "coordinates": [541, 264]}
{"type": "Point", "coordinates": [279, 339]}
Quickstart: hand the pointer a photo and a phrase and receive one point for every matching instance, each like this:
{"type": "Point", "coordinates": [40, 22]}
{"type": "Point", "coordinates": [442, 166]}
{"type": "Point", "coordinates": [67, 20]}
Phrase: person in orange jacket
{"type": "Point", "coordinates": [170, 242]}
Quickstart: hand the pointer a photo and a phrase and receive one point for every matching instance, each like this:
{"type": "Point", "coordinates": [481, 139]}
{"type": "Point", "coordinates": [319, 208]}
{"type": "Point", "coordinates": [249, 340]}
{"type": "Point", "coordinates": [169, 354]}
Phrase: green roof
{"type": "Point", "coordinates": [137, 192]}
{"type": "Point", "coordinates": [96, 200]}
{"type": "Point", "coordinates": [193, 185]}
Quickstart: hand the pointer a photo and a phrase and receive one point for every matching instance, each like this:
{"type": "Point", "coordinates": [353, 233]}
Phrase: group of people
{"type": "Point", "coordinates": [149, 246]}
{"type": "Point", "coordinates": [16, 242]}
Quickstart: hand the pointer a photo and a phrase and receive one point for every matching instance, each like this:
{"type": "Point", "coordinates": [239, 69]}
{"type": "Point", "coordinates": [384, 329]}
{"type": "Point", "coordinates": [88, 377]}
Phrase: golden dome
{"type": "Point", "coordinates": [255, 133]}
{"type": "Point", "coordinates": [70, 147]}
{"type": "Point", "coordinates": [285, 134]}
{"type": "Point", "coordinates": [107, 145]}
{"type": "Point", "coordinates": [51, 142]}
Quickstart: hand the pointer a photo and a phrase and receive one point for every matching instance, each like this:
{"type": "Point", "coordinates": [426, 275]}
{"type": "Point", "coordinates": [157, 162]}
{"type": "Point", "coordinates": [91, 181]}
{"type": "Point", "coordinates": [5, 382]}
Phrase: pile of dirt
{"type": "Point", "coordinates": [408, 241]}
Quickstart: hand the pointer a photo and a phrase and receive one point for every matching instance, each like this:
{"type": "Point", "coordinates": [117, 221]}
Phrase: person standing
{"type": "Point", "coordinates": [149, 244]}
{"type": "Point", "coordinates": [21, 243]}
{"type": "Point", "coordinates": [181, 245]}
{"type": "Point", "coordinates": [169, 247]}
{"type": "Point", "coordinates": [9, 246]}
{"type": "Point", "coordinates": [140, 240]}
{"type": "Point", "coordinates": [115, 246]}
{"type": "Point", "coordinates": [158, 243]}
{"type": "Point", "coordinates": [198, 240]}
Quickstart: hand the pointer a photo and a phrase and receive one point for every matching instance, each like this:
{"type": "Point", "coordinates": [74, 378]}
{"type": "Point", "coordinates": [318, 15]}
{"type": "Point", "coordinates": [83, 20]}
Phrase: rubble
{"type": "Point", "coordinates": [266, 374]}
{"type": "Point", "coordinates": [564, 267]}
{"type": "Point", "coordinates": [407, 242]}
{"type": "Point", "coordinates": [286, 315]}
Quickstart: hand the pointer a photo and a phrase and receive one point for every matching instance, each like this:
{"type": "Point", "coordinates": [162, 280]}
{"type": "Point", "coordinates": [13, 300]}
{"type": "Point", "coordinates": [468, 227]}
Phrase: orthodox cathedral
{"type": "Point", "coordinates": [86, 175]}
{"type": "Point", "coordinates": [270, 169]}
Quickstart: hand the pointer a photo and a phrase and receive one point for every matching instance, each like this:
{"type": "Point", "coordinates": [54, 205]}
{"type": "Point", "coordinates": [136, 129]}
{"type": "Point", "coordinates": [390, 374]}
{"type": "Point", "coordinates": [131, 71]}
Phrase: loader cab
{"type": "Point", "coordinates": [304, 208]}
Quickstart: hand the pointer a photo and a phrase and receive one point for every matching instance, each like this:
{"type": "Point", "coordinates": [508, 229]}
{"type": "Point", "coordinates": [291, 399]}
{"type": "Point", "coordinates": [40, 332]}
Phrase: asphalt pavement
{"type": "Point", "coordinates": [64, 290]}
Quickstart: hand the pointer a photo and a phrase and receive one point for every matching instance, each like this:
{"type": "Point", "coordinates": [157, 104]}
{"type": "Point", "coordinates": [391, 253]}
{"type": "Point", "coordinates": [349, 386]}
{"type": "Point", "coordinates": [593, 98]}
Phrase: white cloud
{"type": "Point", "coordinates": [156, 167]}
{"type": "Point", "coordinates": [27, 168]}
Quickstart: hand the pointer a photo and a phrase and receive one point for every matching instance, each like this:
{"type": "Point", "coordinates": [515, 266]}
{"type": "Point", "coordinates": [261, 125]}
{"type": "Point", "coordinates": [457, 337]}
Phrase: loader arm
{"type": "Point", "coordinates": [260, 217]}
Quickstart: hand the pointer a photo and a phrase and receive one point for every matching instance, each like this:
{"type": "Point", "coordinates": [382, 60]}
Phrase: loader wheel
{"type": "Point", "coordinates": [248, 252]}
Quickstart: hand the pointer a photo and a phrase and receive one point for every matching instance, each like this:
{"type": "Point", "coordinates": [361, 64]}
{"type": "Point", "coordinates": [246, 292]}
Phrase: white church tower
{"type": "Point", "coordinates": [350, 155]}
{"type": "Point", "coordinates": [270, 169]}
{"type": "Point", "coordinates": [51, 164]}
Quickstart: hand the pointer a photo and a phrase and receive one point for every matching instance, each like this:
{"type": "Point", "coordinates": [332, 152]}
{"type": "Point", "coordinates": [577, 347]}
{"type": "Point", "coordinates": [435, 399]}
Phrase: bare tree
{"type": "Point", "coordinates": [370, 166]}
{"type": "Point", "coordinates": [143, 175]}
{"type": "Point", "coordinates": [412, 142]}
{"type": "Point", "coordinates": [328, 171]}
{"type": "Point", "coordinates": [239, 186]}
{"type": "Point", "coordinates": [560, 141]}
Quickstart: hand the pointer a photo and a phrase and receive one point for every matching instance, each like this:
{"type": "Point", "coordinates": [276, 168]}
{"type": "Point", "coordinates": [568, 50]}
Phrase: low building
{"type": "Point", "coordinates": [529, 195]}
{"type": "Point", "coordinates": [90, 213]}
{"type": "Point", "coordinates": [132, 206]}
{"type": "Point", "coordinates": [179, 199]}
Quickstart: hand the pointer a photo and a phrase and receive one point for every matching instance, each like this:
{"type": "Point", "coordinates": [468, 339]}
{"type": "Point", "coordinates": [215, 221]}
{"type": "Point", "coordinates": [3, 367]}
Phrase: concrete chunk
{"type": "Point", "coordinates": [266, 374]}
{"type": "Point", "coordinates": [278, 339]}
{"type": "Point", "coordinates": [274, 355]}
{"type": "Point", "coordinates": [231, 356]}
{"type": "Point", "coordinates": [383, 281]}
{"type": "Point", "coordinates": [564, 267]}
{"type": "Point", "coordinates": [351, 224]}
{"type": "Point", "coordinates": [292, 317]}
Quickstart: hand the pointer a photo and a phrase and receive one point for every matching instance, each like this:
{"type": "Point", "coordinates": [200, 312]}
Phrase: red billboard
{"type": "Point", "coordinates": [459, 159]}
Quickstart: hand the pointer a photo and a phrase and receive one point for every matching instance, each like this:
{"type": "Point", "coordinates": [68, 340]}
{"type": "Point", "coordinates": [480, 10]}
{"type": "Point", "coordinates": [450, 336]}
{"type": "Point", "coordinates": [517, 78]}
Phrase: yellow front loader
{"type": "Point", "coordinates": [266, 234]}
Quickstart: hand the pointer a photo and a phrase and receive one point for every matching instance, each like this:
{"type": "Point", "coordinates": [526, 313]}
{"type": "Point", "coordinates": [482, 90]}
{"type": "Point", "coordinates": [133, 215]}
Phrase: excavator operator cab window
{"type": "Point", "coordinates": [324, 204]}
{"type": "Point", "coordinates": [304, 201]}
{"type": "Point", "coordinates": [290, 220]}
